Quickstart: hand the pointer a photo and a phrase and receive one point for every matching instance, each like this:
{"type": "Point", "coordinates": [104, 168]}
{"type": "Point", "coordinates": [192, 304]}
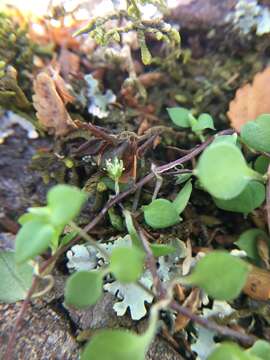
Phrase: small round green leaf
{"type": "Point", "coordinates": [261, 164]}
{"type": "Point", "coordinates": [222, 170]}
{"type": "Point", "coordinates": [162, 249]}
{"type": "Point", "coordinates": [249, 199]}
{"type": "Point", "coordinates": [179, 116]}
{"type": "Point", "coordinates": [248, 242]}
{"type": "Point", "coordinates": [160, 214]}
{"type": "Point", "coordinates": [115, 345]}
{"type": "Point", "coordinates": [256, 134]}
{"type": "Point", "coordinates": [84, 288]}
{"type": "Point", "coordinates": [33, 239]}
{"type": "Point", "coordinates": [261, 349]}
{"type": "Point", "coordinates": [228, 351]}
{"type": "Point", "coordinates": [65, 203]}
{"type": "Point", "coordinates": [127, 263]}
{"type": "Point", "coordinates": [232, 139]}
{"type": "Point", "coordinates": [16, 280]}
{"type": "Point", "coordinates": [220, 274]}
{"type": "Point", "coordinates": [205, 121]}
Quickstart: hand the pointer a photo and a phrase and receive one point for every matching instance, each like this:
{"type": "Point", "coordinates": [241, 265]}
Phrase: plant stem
{"type": "Point", "coordinates": [211, 325]}
{"type": "Point", "coordinates": [158, 170]}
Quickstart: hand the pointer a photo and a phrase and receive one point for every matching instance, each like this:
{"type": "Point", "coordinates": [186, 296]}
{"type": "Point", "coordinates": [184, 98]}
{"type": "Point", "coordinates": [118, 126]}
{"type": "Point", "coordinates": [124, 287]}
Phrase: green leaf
{"type": "Point", "coordinates": [181, 200]}
{"type": "Point", "coordinates": [162, 249]}
{"type": "Point", "coordinates": [179, 116]}
{"type": "Point", "coordinates": [115, 219]}
{"type": "Point", "coordinates": [84, 288]}
{"type": "Point", "coordinates": [229, 351]}
{"type": "Point", "coordinates": [232, 139]}
{"type": "Point", "coordinates": [23, 219]}
{"type": "Point", "coordinates": [223, 172]}
{"type": "Point", "coordinates": [15, 280]}
{"type": "Point", "coordinates": [136, 241]}
{"type": "Point", "coordinates": [181, 178]}
{"type": "Point", "coordinates": [248, 242]}
{"type": "Point", "coordinates": [115, 345]}
{"type": "Point", "coordinates": [261, 349]}
{"type": "Point", "coordinates": [65, 203]}
{"type": "Point", "coordinates": [256, 134]}
{"type": "Point", "coordinates": [205, 121]}
{"type": "Point", "coordinates": [249, 199]}
{"type": "Point", "coordinates": [160, 214]}
{"type": "Point", "coordinates": [33, 239]}
{"type": "Point", "coordinates": [220, 274]}
{"type": "Point", "coordinates": [68, 237]}
{"type": "Point", "coordinates": [261, 164]}
{"type": "Point", "coordinates": [127, 264]}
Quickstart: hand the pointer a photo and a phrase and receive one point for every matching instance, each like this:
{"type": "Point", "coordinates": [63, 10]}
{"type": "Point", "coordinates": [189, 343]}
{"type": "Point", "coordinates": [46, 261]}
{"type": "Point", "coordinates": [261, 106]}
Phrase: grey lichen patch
{"type": "Point", "coordinates": [248, 16]}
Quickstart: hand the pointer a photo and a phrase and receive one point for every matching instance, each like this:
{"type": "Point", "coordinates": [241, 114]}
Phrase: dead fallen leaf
{"type": "Point", "coordinates": [263, 250]}
{"type": "Point", "coordinates": [48, 102]}
{"type": "Point", "coordinates": [192, 302]}
{"type": "Point", "coordinates": [258, 284]}
{"type": "Point", "coordinates": [61, 86]}
{"type": "Point", "coordinates": [151, 78]}
{"type": "Point", "coordinates": [69, 63]}
{"type": "Point", "coordinates": [251, 100]}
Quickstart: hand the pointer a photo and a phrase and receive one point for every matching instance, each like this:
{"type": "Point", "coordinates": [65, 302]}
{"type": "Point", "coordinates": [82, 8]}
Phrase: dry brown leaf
{"type": "Point", "coordinates": [251, 100]}
{"type": "Point", "coordinates": [263, 250]}
{"type": "Point", "coordinates": [69, 63]}
{"type": "Point", "coordinates": [61, 86]}
{"type": "Point", "coordinates": [258, 284]}
{"type": "Point", "coordinates": [48, 102]}
{"type": "Point", "coordinates": [151, 78]}
{"type": "Point", "coordinates": [192, 302]}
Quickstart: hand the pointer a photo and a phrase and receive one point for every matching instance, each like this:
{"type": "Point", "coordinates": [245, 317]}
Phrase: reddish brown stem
{"type": "Point", "coordinates": [211, 325]}
{"type": "Point", "coordinates": [95, 221]}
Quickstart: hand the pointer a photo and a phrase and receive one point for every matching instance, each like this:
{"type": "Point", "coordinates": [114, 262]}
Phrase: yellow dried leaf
{"type": "Point", "coordinates": [192, 302]}
{"type": "Point", "coordinates": [49, 104]}
{"type": "Point", "coordinates": [251, 100]}
{"type": "Point", "coordinates": [258, 284]}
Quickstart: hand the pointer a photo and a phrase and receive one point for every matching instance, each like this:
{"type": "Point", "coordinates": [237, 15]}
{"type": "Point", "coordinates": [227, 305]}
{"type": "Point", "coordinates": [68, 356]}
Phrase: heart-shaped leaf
{"type": "Point", "coordinates": [162, 249]}
{"type": "Point", "coordinates": [261, 164]}
{"type": "Point", "coordinates": [115, 345]}
{"type": "Point", "coordinates": [248, 242]}
{"type": "Point", "coordinates": [15, 279]}
{"type": "Point", "coordinates": [256, 134]}
{"type": "Point", "coordinates": [33, 239]}
{"type": "Point", "coordinates": [160, 214]}
{"type": "Point", "coordinates": [205, 121]}
{"type": "Point", "coordinates": [249, 199]}
{"type": "Point", "coordinates": [84, 288]}
{"type": "Point", "coordinates": [179, 116]}
{"type": "Point", "coordinates": [127, 263]}
{"type": "Point", "coordinates": [65, 203]}
{"type": "Point", "coordinates": [261, 349]}
{"type": "Point", "coordinates": [229, 351]}
{"type": "Point", "coordinates": [220, 274]}
{"type": "Point", "coordinates": [223, 172]}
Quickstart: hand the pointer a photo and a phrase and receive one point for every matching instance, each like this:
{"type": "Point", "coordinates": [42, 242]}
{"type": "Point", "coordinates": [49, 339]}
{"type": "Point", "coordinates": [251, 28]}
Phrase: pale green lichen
{"type": "Point", "coordinates": [249, 15]}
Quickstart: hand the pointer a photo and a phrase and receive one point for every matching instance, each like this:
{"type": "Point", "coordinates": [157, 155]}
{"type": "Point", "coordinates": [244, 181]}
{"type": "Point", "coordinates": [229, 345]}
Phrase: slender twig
{"type": "Point", "coordinates": [94, 222]}
{"type": "Point", "coordinates": [14, 332]}
{"type": "Point", "coordinates": [211, 325]}
{"type": "Point", "coordinates": [151, 262]}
